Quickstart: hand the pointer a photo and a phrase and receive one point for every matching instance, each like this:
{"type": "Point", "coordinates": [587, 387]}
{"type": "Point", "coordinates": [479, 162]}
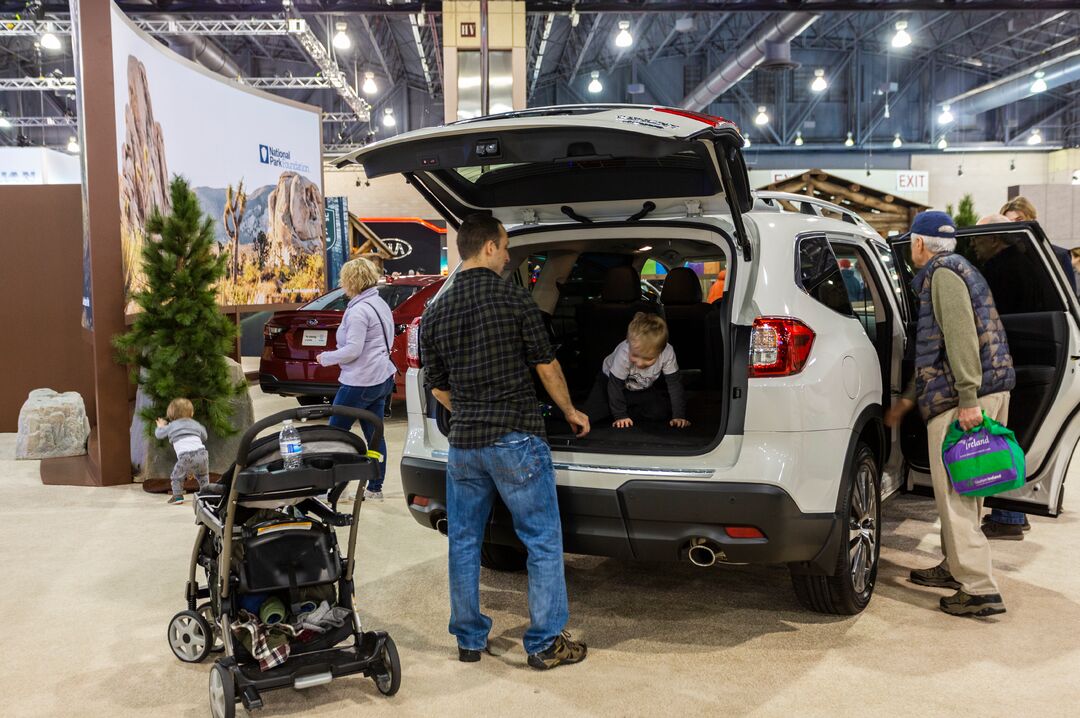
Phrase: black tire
{"type": "Point", "coordinates": [389, 681]}
{"type": "Point", "coordinates": [506, 559]}
{"type": "Point", "coordinates": [190, 637]}
{"type": "Point", "coordinates": [222, 692]}
{"type": "Point", "coordinates": [313, 400]}
{"type": "Point", "coordinates": [848, 591]}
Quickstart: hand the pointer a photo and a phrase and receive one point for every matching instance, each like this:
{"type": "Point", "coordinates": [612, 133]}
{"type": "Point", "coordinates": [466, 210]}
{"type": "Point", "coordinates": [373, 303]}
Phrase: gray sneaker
{"type": "Point", "coordinates": [936, 577]}
{"type": "Point", "coordinates": [964, 604]}
{"type": "Point", "coordinates": [372, 495]}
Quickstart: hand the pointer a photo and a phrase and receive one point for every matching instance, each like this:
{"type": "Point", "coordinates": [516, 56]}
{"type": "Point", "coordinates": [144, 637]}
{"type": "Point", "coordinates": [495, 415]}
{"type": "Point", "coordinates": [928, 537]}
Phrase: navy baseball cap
{"type": "Point", "coordinates": [934, 224]}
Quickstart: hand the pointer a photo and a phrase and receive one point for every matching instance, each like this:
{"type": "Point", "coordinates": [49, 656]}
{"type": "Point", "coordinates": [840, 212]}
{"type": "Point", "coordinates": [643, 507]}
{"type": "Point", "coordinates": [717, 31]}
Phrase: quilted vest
{"type": "Point", "coordinates": [933, 377]}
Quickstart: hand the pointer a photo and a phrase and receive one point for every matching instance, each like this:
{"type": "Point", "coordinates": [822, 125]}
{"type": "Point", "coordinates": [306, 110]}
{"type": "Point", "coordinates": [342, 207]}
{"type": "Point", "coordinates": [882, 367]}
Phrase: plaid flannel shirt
{"type": "Point", "coordinates": [479, 341]}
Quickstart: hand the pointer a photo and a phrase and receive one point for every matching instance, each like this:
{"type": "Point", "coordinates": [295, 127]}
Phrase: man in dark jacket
{"type": "Point", "coordinates": [962, 369]}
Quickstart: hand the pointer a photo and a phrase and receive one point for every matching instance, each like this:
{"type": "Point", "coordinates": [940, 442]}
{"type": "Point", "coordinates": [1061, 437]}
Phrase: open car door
{"type": "Point", "coordinates": [578, 163]}
{"type": "Point", "coordinates": [1039, 309]}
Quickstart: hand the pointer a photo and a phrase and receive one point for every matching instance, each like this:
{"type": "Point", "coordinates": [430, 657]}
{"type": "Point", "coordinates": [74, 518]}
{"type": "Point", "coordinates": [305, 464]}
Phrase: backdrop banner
{"type": "Point", "coordinates": [337, 238]}
{"type": "Point", "coordinates": [253, 160]}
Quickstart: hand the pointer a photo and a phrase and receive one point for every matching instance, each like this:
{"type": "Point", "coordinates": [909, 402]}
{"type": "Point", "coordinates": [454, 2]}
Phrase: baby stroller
{"type": "Point", "coordinates": [267, 531]}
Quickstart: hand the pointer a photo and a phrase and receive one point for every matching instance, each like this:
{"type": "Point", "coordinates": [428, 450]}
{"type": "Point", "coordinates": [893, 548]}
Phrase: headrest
{"type": "Point", "coordinates": [621, 284]}
{"type": "Point", "coordinates": [681, 286]}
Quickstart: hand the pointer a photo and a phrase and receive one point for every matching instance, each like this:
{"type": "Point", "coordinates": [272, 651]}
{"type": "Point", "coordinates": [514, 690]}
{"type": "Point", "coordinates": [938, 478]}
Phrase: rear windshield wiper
{"type": "Point", "coordinates": [649, 206]}
{"type": "Point", "coordinates": [569, 212]}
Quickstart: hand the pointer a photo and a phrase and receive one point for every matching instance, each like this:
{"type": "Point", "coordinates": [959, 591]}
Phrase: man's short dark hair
{"type": "Point", "coordinates": [476, 231]}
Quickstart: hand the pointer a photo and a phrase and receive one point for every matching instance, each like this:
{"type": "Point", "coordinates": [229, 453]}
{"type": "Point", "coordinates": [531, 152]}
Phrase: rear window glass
{"type": "Point", "coordinates": [819, 275]}
{"type": "Point", "coordinates": [331, 301]}
{"type": "Point", "coordinates": [396, 294]}
{"type": "Point", "coordinates": [337, 301]}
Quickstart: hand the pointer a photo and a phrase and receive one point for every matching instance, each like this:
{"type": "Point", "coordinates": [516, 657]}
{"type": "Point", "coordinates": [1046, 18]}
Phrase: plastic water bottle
{"type": "Point", "coordinates": [291, 448]}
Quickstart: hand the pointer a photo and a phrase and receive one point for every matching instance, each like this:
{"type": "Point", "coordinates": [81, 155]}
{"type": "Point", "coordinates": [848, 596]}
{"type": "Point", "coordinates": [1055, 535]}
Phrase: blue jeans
{"type": "Point", "coordinates": [518, 469]}
{"type": "Point", "coordinates": [1013, 518]}
{"type": "Point", "coordinates": [372, 398]}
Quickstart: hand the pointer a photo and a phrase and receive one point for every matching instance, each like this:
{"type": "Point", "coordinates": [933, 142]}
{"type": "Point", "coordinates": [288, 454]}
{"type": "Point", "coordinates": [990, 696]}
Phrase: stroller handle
{"type": "Point", "coordinates": [308, 412]}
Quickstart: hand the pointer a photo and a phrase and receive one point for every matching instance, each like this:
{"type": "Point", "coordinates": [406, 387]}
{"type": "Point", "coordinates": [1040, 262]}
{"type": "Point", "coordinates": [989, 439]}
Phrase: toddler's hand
{"type": "Point", "coordinates": [623, 423]}
{"type": "Point", "coordinates": [679, 423]}
{"type": "Point", "coordinates": [161, 422]}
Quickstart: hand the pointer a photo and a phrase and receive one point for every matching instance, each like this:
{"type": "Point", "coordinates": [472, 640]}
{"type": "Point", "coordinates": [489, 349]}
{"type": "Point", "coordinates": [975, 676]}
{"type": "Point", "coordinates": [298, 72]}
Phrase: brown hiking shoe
{"type": "Point", "coordinates": [562, 651]}
{"type": "Point", "coordinates": [936, 577]}
{"type": "Point", "coordinates": [964, 604]}
{"type": "Point", "coordinates": [1003, 532]}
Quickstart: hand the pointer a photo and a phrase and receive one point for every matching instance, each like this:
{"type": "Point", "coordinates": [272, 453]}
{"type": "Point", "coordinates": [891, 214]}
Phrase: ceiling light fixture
{"type": "Point", "coordinates": [1040, 84]}
{"type": "Point", "coordinates": [942, 143]}
{"type": "Point", "coordinates": [762, 117]}
{"type": "Point", "coordinates": [897, 143]}
{"type": "Point", "coordinates": [746, 142]}
{"type": "Point", "coordinates": [342, 41]}
{"type": "Point", "coordinates": [819, 84]}
{"type": "Point", "coordinates": [5, 123]}
{"type": "Point", "coordinates": [73, 145]}
{"type": "Point", "coordinates": [798, 139]}
{"type": "Point", "coordinates": [388, 119]}
{"type": "Point", "coordinates": [901, 38]}
{"type": "Point", "coordinates": [850, 141]}
{"type": "Point", "coordinates": [369, 87]}
{"type": "Point", "coordinates": [1035, 138]}
{"type": "Point", "coordinates": [946, 115]}
{"type": "Point", "coordinates": [595, 86]}
{"type": "Point", "coordinates": [49, 40]}
{"type": "Point", "coordinates": [574, 17]}
{"type": "Point", "coordinates": [624, 38]}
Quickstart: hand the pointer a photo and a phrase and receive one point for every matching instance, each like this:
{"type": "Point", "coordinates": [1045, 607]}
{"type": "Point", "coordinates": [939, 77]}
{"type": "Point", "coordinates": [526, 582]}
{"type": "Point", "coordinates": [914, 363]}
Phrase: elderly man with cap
{"type": "Point", "coordinates": [962, 369]}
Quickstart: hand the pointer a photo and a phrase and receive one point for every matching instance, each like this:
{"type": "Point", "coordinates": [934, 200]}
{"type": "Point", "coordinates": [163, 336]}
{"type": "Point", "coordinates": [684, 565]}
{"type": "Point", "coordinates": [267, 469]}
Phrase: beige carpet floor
{"type": "Point", "coordinates": [94, 575]}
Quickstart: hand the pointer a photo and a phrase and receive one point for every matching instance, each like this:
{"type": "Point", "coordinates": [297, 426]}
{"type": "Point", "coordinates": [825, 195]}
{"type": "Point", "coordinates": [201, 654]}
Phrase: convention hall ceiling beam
{"type": "Point", "coordinates": [37, 83]}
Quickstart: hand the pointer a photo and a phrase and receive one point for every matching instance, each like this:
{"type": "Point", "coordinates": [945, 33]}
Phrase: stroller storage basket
{"type": "Point", "coordinates": [289, 555]}
{"type": "Point", "coordinates": [319, 473]}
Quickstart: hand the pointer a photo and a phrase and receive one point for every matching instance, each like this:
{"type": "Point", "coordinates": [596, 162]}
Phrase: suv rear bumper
{"type": "Point", "coordinates": [654, 520]}
{"type": "Point", "coordinates": [270, 385]}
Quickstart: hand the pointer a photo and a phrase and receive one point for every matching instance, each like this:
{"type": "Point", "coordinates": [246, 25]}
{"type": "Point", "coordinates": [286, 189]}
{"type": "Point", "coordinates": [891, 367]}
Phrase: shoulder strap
{"type": "Point", "coordinates": [382, 326]}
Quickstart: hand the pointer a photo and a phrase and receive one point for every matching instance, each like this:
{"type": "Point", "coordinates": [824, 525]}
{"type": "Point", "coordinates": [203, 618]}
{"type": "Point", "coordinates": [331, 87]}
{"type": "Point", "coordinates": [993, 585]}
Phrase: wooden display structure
{"type": "Point", "coordinates": [883, 211]}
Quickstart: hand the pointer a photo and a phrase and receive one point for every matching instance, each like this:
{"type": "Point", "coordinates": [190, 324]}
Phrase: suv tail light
{"type": "Point", "coordinates": [412, 343]}
{"type": "Point", "coordinates": [270, 331]}
{"type": "Point", "coordinates": [779, 346]}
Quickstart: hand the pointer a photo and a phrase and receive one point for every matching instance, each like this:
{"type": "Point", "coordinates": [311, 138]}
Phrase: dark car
{"type": "Point", "coordinates": [292, 339]}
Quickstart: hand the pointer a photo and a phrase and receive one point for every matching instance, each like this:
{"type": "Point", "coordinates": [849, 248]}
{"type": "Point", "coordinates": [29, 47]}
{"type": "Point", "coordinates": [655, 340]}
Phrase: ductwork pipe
{"type": "Point", "coordinates": [781, 28]}
{"type": "Point", "coordinates": [206, 53]}
{"type": "Point", "coordinates": [1017, 86]}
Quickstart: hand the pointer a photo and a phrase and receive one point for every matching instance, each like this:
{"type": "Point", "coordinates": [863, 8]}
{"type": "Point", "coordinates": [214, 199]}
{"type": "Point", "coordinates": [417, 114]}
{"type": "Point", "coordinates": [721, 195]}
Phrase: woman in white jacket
{"type": "Point", "coordinates": [363, 353]}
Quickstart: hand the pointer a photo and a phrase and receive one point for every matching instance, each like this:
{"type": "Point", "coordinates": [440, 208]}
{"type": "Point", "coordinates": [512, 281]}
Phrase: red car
{"type": "Point", "coordinates": [292, 339]}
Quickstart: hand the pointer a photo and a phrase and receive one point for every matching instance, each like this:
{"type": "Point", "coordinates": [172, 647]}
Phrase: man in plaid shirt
{"type": "Point", "coordinates": [477, 344]}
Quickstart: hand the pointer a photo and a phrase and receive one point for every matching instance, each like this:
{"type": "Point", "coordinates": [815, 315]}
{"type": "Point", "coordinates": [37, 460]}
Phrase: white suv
{"type": "Point", "coordinates": [786, 374]}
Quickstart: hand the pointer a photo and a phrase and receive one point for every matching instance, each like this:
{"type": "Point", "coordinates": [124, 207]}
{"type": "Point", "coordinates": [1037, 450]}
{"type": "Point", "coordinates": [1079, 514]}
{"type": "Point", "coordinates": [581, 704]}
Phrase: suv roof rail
{"type": "Point", "coordinates": [812, 205]}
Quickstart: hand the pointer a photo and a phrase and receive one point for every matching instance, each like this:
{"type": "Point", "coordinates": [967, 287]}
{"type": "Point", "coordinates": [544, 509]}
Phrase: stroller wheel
{"type": "Point", "coordinates": [190, 637]}
{"type": "Point", "coordinates": [389, 679]}
{"type": "Point", "coordinates": [207, 612]}
{"type": "Point", "coordinates": [222, 692]}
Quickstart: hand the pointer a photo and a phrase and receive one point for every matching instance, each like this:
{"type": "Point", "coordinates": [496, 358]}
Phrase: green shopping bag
{"type": "Point", "coordinates": [983, 461]}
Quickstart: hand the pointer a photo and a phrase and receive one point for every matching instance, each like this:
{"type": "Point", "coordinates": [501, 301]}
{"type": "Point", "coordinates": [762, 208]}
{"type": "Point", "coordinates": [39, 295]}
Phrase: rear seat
{"type": "Point", "coordinates": [685, 314]}
{"type": "Point", "coordinates": [602, 323]}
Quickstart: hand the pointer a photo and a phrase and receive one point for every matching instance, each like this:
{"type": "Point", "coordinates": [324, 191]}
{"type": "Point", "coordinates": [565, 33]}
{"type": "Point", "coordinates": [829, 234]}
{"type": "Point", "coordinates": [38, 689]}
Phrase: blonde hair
{"type": "Point", "coordinates": [179, 408]}
{"type": "Point", "coordinates": [647, 331]}
{"type": "Point", "coordinates": [358, 275]}
{"type": "Point", "coordinates": [1021, 205]}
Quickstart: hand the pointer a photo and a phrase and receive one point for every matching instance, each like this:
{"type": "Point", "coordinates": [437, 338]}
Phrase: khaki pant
{"type": "Point", "coordinates": [967, 552]}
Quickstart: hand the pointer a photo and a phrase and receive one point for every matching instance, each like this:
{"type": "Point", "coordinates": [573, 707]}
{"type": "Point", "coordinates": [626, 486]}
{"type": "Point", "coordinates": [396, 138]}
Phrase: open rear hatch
{"type": "Point", "coordinates": [572, 163]}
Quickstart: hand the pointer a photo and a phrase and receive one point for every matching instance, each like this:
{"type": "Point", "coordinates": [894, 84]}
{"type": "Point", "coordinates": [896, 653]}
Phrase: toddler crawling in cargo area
{"type": "Point", "coordinates": [627, 388]}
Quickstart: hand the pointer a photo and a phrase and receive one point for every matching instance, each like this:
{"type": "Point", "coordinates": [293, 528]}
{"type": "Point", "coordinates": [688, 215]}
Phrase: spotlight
{"type": "Point", "coordinates": [1035, 138]}
{"type": "Point", "coordinates": [5, 123]}
{"type": "Point", "coordinates": [388, 119]}
{"type": "Point", "coordinates": [342, 41]}
{"type": "Point", "coordinates": [369, 87]}
{"type": "Point", "coordinates": [798, 139]}
{"type": "Point", "coordinates": [901, 38]}
{"type": "Point", "coordinates": [960, 171]}
{"type": "Point", "coordinates": [1040, 84]}
{"type": "Point", "coordinates": [942, 143]}
{"type": "Point", "coordinates": [897, 143]}
{"type": "Point", "coordinates": [850, 141]}
{"type": "Point", "coordinates": [624, 38]}
{"type": "Point", "coordinates": [73, 145]}
{"type": "Point", "coordinates": [819, 84]}
{"type": "Point", "coordinates": [1012, 165]}
{"type": "Point", "coordinates": [49, 40]}
{"type": "Point", "coordinates": [595, 86]}
{"type": "Point", "coordinates": [762, 118]}
{"type": "Point", "coordinates": [574, 17]}
{"type": "Point", "coordinates": [746, 142]}
{"type": "Point", "coordinates": [946, 115]}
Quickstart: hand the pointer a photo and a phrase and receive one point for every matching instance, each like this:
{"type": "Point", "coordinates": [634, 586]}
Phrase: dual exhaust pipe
{"type": "Point", "coordinates": [704, 552]}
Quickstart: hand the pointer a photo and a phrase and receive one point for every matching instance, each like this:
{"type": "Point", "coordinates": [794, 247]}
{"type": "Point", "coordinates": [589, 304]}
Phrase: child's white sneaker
{"type": "Point", "coordinates": [369, 495]}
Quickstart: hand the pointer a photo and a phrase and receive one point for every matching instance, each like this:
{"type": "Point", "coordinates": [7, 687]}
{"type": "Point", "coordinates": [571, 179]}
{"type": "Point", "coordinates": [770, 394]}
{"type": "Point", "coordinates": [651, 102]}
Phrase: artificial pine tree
{"type": "Point", "coordinates": [966, 216]}
{"type": "Point", "coordinates": [178, 343]}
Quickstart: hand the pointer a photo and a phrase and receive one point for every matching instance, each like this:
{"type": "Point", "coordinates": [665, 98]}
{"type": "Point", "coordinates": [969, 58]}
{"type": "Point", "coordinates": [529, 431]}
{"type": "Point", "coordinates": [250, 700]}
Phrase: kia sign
{"type": "Point", "coordinates": [908, 181]}
{"type": "Point", "coordinates": [399, 247]}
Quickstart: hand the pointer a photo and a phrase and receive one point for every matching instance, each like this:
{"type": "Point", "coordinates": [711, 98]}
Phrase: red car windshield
{"type": "Point", "coordinates": [336, 301]}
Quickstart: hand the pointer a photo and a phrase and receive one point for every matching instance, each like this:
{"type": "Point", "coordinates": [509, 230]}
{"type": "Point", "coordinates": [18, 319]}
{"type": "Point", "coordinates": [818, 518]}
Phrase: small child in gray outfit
{"type": "Point", "coordinates": [187, 437]}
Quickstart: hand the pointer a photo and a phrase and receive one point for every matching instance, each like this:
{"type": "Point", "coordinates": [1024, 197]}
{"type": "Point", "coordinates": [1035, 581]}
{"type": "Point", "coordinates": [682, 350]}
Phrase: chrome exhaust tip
{"type": "Point", "coordinates": [701, 554]}
{"type": "Point", "coordinates": [441, 526]}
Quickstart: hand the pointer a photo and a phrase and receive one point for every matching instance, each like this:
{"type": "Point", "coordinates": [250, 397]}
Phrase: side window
{"type": "Point", "coordinates": [712, 273]}
{"type": "Point", "coordinates": [861, 289]}
{"type": "Point", "coordinates": [1014, 271]}
{"type": "Point", "coordinates": [819, 274]}
{"type": "Point", "coordinates": [529, 271]}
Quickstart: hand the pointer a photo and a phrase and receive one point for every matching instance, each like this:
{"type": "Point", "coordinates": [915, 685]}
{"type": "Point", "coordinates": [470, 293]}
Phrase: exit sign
{"type": "Point", "coordinates": [912, 181]}
{"type": "Point", "coordinates": [468, 29]}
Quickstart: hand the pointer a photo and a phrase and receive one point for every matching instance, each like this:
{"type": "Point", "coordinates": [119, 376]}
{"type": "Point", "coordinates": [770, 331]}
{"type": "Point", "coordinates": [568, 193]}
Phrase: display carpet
{"type": "Point", "coordinates": [95, 574]}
